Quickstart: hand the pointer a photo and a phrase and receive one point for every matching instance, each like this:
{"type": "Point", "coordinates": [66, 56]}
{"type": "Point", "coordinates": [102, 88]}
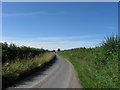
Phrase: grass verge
{"type": "Point", "coordinates": [15, 71]}
{"type": "Point", "coordinates": [96, 67]}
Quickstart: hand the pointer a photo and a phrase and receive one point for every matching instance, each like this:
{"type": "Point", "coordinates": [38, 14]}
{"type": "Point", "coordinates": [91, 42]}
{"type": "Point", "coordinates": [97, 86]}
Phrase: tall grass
{"type": "Point", "coordinates": [13, 71]}
{"type": "Point", "coordinates": [97, 67]}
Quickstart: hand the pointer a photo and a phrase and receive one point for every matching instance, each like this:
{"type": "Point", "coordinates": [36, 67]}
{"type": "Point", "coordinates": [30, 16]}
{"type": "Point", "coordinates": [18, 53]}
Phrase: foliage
{"type": "Point", "coordinates": [12, 52]}
{"type": "Point", "coordinates": [14, 71]}
{"type": "Point", "coordinates": [58, 49]}
{"type": "Point", "coordinates": [97, 67]}
{"type": "Point", "coordinates": [53, 50]}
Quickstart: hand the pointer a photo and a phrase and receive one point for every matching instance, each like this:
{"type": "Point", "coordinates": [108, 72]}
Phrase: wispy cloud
{"type": "Point", "coordinates": [56, 42]}
{"type": "Point", "coordinates": [56, 45]}
{"type": "Point", "coordinates": [35, 13]}
{"type": "Point", "coordinates": [62, 38]}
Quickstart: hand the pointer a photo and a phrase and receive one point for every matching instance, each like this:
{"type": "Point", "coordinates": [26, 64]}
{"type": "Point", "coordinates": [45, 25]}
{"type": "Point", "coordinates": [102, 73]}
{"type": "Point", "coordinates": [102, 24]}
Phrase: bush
{"type": "Point", "coordinates": [12, 52]}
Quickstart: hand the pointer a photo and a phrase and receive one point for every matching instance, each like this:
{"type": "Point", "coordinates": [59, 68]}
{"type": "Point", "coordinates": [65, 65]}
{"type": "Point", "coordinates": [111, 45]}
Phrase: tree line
{"type": "Point", "coordinates": [11, 52]}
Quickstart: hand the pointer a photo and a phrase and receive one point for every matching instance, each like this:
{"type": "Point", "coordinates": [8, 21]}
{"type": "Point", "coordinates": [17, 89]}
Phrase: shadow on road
{"type": "Point", "coordinates": [33, 73]}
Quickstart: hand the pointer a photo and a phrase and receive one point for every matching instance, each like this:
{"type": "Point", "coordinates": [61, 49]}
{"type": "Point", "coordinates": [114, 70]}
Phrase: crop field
{"type": "Point", "coordinates": [97, 67]}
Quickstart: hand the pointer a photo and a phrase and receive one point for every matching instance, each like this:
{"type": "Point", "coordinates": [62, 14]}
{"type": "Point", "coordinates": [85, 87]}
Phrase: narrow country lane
{"type": "Point", "coordinates": [60, 74]}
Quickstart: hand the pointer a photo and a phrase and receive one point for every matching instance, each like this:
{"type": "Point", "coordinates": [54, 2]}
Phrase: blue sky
{"type": "Point", "coordinates": [58, 25]}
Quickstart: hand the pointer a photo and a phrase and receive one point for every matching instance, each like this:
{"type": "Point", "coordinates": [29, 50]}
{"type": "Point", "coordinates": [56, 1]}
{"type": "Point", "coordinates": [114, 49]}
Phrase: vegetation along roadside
{"type": "Point", "coordinates": [97, 67]}
{"type": "Point", "coordinates": [15, 69]}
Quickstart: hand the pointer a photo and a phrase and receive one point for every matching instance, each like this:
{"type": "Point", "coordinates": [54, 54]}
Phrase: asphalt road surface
{"type": "Point", "coordinates": [60, 74]}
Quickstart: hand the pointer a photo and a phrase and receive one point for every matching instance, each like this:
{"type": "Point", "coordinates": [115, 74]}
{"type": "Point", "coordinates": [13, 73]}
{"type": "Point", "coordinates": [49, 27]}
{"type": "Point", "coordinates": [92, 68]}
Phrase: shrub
{"type": "Point", "coordinates": [12, 52]}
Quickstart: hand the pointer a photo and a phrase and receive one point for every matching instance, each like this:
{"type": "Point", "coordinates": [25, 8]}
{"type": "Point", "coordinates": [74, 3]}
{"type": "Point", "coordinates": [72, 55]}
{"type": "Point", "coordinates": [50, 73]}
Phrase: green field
{"type": "Point", "coordinates": [96, 67]}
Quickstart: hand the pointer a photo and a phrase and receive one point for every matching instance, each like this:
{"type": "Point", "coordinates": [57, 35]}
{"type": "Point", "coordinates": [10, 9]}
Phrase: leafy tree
{"type": "Point", "coordinates": [58, 49]}
{"type": "Point", "coordinates": [53, 50]}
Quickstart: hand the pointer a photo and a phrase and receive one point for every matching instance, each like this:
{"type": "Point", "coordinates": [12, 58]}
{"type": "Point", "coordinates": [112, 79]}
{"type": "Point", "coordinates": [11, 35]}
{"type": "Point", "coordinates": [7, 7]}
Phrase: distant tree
{"type": "Point", "coordinates": [47, 50]}
{"type": "Point", "coordinates": [58, 49]}
{"type": "Point", "coordinates": [53, 50]}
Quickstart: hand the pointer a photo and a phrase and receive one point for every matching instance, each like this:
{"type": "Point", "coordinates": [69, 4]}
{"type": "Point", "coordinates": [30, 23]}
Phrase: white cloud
{"type": "Point", "coordinates": [58, 39]}
{"type": "Point", "coordinates": [56, 45]}
{"type": "Point", "coordinates": [55, 42]}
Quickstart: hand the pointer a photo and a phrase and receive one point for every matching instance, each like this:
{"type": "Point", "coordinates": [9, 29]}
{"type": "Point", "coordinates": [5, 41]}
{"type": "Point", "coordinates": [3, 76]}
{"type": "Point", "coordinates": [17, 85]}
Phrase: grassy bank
{"type": "Point", "coordinates": [14, 71]}
{"type": "Point", "coordinates": [96, 67]}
